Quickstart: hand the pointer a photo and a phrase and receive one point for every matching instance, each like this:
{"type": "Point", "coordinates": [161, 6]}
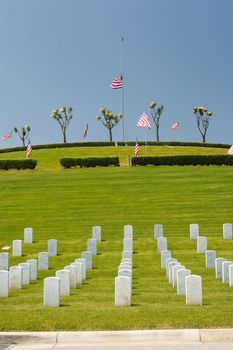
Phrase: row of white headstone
{"type": "Point", "coordinates": [71, 275]}
{"type": "Point", "coordinates": [223, 267]}
{"type": "Point", "coordinates": [123, 281]}
{"type": "Point", "coordinates": [176, 273]}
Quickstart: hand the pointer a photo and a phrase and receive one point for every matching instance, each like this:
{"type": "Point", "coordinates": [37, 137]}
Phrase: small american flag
{"type": "Point", "coordinates": [85, 131]}
{"type": "Point", "coordinates": [144, 121]}
{"type": "Point", "coordinates": [175, 126]}
{"type": "Point", "coordinates": [117, 83]}
{"type": "Point", "coordinates": [136, 150]}
{"type": "Point", "coordinates": [7, 136]}
{"type": "Point", "coordinates": [230, 151]}
{"type": "Point", "coordinates": [29, 149]}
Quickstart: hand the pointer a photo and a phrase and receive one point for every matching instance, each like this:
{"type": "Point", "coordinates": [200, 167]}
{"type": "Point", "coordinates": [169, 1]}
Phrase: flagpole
{"type": "Point", "coordinates": [122, 92]}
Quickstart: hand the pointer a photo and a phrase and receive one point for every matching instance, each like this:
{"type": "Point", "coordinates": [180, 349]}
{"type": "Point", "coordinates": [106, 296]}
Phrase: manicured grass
{"type": "Point", "coordinates": [65, 204]}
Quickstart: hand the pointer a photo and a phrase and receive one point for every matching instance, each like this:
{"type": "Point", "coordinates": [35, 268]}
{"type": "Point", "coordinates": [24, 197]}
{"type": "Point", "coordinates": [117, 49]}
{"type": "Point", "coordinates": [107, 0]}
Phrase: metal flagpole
{"type": "Point", "coordinates": [122, 92]}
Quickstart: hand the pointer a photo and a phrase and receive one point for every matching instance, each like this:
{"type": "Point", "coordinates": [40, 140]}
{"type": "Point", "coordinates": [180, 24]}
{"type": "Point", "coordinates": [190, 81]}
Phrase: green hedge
{"type": "Point", "coordinates": [89, 162]}
{"type": "Point", "coordinates": [184, 160]}
{"type": "Point", "coordinates": [175, 143]}
{"type": "Point", "coordinates": [17, 164]}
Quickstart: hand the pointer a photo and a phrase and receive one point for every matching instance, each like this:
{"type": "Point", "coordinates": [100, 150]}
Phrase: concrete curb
{"type": "Point", "coordinates": [179, 336]}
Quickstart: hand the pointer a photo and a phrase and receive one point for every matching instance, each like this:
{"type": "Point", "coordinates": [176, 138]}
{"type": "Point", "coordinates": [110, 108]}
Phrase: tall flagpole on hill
{"type": "Point", "coordinates": [122, 91]}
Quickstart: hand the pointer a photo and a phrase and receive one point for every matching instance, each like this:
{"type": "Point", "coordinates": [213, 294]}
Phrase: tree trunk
{"type": "Point", "coordinates": [64, 136]}
{"type": "Point", "coordinates": [157, 133]}
{"type": "Point", "coordinates": [110, 134]}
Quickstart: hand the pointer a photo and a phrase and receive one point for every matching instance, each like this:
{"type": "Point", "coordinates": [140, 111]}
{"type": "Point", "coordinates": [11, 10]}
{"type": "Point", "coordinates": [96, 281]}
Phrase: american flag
{"type": "Point", "coordinates": [29, 149]}
{"type": "Point", "coordinates": [230, 151]}
{"type": "Point", "coordinates": [117, 83]}
{"type": "Point", "coordinates": [175, 126]}
{"type": "Point", "coordinates": [136, 150]}
{"type": "Point", "coordinates": [144, 121]}
{"type": "Point", "coordinates": [85, 131]}
{"type": "Point", "coordinates": [7, 136]}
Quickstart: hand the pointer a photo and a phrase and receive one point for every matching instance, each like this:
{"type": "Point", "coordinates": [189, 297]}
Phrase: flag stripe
{"type": "Point", "coordinates": [85, 131]}
{"type": "Point", "coordinates": [136, 150]}
{"type": "Point", "coordinates": [117, 83]}
{"type": "Point", "coordinates": [230, 151]}
{"type": "Point", "coordinates": [144, 121]}
{"type": "Point", "coordinates": [175, 126]}
{"type": "Point", "coordinates": [29, 149]}
{"type": "Point", "coordinates": [6, 136]}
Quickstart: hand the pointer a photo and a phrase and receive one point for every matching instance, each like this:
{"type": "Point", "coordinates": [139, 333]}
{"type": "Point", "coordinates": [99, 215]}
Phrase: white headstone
{"type": "Point", "coordinates": [92, 245]}
{"type": "Point", "coordinates": [79, 278]}
{"type": "Point", "coordinates": [227, 231]}
{"type": "Point", "coordinates": [15, 277]}
{"type": "Point", "coordinates": [193, 287]}
{"type": "Point", "coordinates": [169, 273]}
{"type": "Point", "coordinates": [28, 235]}
{"type": "Point", "coordinates": [128, 244]}
{"type": "Point", "coordinates": [122, 291]}
{"type": "Point", "coordinates": [51, 292]}
{"type": "Point", "coordinates": [225, 271]}
{"type": "Point", "coordinates": [158, 231]}
{"type": "Point", "coordinates": [128, 231]}
{"type": "Point", "coordinates": [88, 257]}
{"type": "Point", "coordinates": [33, 269]}
{"type": "Point", "coordinates": [84, 268]}
{"type": "Point", "coordinates": [161, 244]}
{"type": "Point", "coordinates": [127, 261]}
{"type": "Point", "coordinates": [165, 254]}
{"type": "Point", "coordinates": [231, 275]}
{"type": "Point", "coordinates": [181, 274]}
{"type": "Point", "coordinates": [168, 260]}
{"type": "Point", "coordinates": [218, 267]}
{"type": "Point", "coordinates": [25, 273]}
{"type": "Point", "coordinates": [4, 261]}
{"type": "Point", "coordinates": [194, 231]}
{"type": "Point", "coordinates": [176, 268]}
{"type": "Point", "coordinates": [201, 244]}
{"type": "Point", "coordinates": [96, 233]}
{"type": "Point", "coordinates": [52, 247]}
{"type": "Point", "coordinates": [64, 276]}
{"type": "Point", "coordinates": [43, 261]}
{"type": "Point", "coordinates": [4, 284]}
{"type": "Point", "coordinates": [125, 272]}
{"type": "Point", "coordinates": [210, 256]}
{"type": "Point", "coordinates": [73, 274]}
{"type": "Point", "coordinates": [126, 254]}
{"type": "Point", "coordinates": [125, 266]}
{"type": "Point", "coordinates": [17, 247]}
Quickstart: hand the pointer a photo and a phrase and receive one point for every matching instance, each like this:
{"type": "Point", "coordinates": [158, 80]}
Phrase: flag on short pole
{"type": "Point", "coordinates": [136, 150]}
{"type": "Point", "coordinates": [117, 83]}
{"type": "Point", "coordinates": [175, 126]}
{"type": "Point", "coordinates": [29, 149]}
{"type": "Point", "coordinates": [6, 136]}
{"type": "Point", "coordinates": [144, 121]}
{"type": "Point", "coordinates": [85, 131]}
{"type": "Point", "coordinates": [230, 151]}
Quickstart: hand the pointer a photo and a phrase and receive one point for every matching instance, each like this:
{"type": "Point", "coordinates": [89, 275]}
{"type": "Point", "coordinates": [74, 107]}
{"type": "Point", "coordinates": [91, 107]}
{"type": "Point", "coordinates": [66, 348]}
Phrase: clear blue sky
{"type": "Point", "coordinates": [65, 53]}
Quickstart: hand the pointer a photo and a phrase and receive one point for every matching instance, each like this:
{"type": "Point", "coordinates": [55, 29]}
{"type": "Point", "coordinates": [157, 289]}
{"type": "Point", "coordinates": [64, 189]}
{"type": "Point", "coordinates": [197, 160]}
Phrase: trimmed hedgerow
{"type": "Point", "coordinates": [18, 164]}
{"type": "Point", "coordinates": [175, 143]}
{"type": "Point", "coordinates": [184, 160]}
{"type": "Point", "coordinates": [89, 162]}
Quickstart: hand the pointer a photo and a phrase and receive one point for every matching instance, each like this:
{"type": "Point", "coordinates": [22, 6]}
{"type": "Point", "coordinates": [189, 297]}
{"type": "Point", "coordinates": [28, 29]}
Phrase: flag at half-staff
{"type": "Point", "coordinates": [117, 83]}
{"type": "Point", "coordinates": [175, 126]}
{"type": "Point", "coordinates": [6, 136]}
{"type": "Point", "coordinates": [144, 121]}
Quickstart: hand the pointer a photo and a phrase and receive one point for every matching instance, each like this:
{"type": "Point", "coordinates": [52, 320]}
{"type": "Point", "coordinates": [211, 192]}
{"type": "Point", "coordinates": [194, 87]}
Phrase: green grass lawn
{"type": "Point", "coordinates": [65, 204]}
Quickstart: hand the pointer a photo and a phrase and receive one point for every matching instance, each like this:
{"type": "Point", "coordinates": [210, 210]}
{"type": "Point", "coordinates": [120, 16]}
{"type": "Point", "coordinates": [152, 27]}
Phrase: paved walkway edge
{"type": "Point", "coordinates": [106, 337]}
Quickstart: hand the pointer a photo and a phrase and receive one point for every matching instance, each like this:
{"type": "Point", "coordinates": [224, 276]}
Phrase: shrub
{"type": "Point", "coordinates": [184, 160]}
{"type": "Point", "coordinates": [89, 162]}
{"type": "Point", "coordinates": [18, 164]}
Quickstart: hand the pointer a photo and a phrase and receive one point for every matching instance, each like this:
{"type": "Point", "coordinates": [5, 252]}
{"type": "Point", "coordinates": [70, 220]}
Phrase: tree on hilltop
{"type": "Point", "coordinates": [109, 120]}
{"type": "Point", "coordinates": [63, 116]}
{"type": "Point", "coordinates": [203, 119]}
{"type": "Point", "coordinates": [24, 133]}
{"type": "Point", "coordinates": [156, 112]}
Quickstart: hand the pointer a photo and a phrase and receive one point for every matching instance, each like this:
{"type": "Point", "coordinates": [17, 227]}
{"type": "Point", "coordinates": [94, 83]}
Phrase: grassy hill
{"type": "Point", "coordinates": [65, 204]}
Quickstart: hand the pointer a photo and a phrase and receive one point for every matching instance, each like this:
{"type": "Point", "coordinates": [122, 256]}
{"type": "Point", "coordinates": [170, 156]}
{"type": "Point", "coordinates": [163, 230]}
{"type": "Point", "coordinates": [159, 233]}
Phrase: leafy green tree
{"type": "Point", "coordinates": [63, 116]}
{"type": "Point", "coordinates": [24, 133]}
{"type": "Point", "coordinates": [109, 120]}
{"type": "Point", "coordinates": [203, 119]}
{"type": "Point", "coordinates": [156, 113]}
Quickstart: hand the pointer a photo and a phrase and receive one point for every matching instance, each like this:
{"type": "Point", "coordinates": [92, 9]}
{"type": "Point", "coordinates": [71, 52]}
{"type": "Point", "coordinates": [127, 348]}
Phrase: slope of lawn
{"type": "Point", "coordinates": [65, 204]}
